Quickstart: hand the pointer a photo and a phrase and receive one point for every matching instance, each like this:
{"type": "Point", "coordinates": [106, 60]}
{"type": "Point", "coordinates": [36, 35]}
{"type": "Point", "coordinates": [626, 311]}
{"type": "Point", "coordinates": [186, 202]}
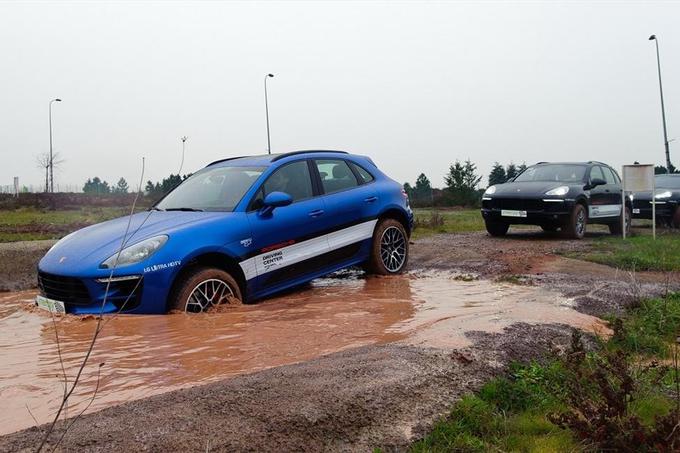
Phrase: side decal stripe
{"type": "Point", "coordinates": [292, 254]}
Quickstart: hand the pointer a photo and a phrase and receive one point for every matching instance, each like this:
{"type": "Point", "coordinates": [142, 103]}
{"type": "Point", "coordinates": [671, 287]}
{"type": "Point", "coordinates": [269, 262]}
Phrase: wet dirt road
{"type": "Point", "coordinates": [145, 355]}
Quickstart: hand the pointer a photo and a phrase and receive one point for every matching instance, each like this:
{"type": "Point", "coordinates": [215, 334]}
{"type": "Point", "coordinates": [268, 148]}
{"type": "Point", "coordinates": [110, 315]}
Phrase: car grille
{"type": "Point", "coordinates": [69, 290]}
{"type": "Point", "coordinates": [517, 204]}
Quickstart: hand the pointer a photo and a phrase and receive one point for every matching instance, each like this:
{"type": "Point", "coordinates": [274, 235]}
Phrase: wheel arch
{"type": "Point", "coordinates": [214, 259]}
{"type": "Point", "coordinates": [398, 215]}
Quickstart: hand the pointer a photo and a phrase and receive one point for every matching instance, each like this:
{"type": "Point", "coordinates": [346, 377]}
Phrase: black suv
{"type": "Point", "coordinates": [667, 201]}
{"type": "Point", "coordinates": [564, 196]}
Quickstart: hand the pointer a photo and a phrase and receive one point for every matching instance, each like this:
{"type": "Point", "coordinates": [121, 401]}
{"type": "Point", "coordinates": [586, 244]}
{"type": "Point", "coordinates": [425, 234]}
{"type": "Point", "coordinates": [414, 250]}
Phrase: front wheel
{"type": "Point", "coordinates": [576, 225]}
{"type": "Point", "coordinates": [496, 229]}
{"type": "Point", "coordinates": [389, 253]}
{"type": "Point", "coordinates": [203, 288]}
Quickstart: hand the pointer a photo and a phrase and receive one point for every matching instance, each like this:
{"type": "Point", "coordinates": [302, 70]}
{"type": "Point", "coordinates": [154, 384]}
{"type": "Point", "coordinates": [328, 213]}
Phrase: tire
{"type": "Point", "coordinates": [576, 225]}
{"type": "Point", "coordinates": [675, 220]}
{"type": "Point", "coordinates": [389, 253]}
{"type": "Point", "coordinates": [615, 228]}
{"type": "Point", "coordinates": [496, 229]}
{"type": "Point", "coordinates": [549, 228]}
{"type": "Point", "coordinates": [189, 294]}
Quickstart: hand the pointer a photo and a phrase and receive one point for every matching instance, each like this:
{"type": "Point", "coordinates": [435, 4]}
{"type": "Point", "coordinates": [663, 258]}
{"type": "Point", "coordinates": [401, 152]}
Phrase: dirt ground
{"type": "Point", "coordinates": [18, 262]}
{"type": "Point", "coordinates": [372, 396]}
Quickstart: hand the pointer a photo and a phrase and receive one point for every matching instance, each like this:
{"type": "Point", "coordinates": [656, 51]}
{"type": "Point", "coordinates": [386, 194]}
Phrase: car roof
{"type": "Point", "coordinates": [592, 162]}
{"type": "Point", "coordinates": [268, 159]}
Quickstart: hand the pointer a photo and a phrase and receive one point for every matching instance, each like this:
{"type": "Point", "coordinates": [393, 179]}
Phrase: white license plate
{"type": "Point", "coordinates": [511, 213]}
{"type": "Point", "coordinates": [50, 305]}
{"type": "Point", "coordinates": [636, 210]}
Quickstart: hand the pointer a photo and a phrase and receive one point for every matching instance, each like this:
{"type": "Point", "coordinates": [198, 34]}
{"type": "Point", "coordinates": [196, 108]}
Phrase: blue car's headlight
{"type": "Point", "coordinates": [136, 252]}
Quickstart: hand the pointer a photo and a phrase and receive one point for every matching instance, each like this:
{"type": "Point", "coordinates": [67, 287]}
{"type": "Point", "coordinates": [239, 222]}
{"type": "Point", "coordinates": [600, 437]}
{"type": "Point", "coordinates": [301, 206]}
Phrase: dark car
{"type": "Point", "coordinates": [667, 201]}
{"type": "Point", "coordinates": [557, 196]}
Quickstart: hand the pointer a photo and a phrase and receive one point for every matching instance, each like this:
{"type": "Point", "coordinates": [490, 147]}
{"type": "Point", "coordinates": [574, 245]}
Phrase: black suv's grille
{"type": "Point", "coordinates": [65, 289]}
{"type": "Point", "coordinates": [517, 204]}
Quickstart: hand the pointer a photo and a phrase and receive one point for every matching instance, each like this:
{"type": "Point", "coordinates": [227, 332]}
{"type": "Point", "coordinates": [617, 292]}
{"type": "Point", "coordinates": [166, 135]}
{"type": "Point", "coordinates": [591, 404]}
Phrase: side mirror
{"type": "Point", "coordinates": [595, 182]}
{"type": "Point", "coordinates": [275, 200]}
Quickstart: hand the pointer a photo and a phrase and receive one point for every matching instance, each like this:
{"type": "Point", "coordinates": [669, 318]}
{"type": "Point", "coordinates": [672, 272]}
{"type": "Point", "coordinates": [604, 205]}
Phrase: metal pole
{"type": "Point", "coordinates": [663, 110]}
{"type": "Point", "coordinates": [623, 205]}
{"type": "Point", "coordinates": [654, 208]}
{"type": "Point", "coordinates": [51, 161]}
{"type": "Point", "coordinates": [266, 108]}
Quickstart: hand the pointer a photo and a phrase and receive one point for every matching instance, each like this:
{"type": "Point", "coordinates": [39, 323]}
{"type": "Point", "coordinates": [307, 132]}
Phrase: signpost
{"type": "Point", "coordinates": [638, 178]}
{"type": "Point", "coordinates": [16, 186]}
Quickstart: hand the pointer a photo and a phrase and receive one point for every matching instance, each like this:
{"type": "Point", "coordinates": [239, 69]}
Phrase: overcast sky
{"type": "Point", "coordinates": [413, 85]}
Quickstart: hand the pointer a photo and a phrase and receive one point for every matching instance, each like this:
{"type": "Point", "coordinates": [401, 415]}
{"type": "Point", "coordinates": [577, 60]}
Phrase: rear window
{"type": "Point", "coordinates": [335, 175]}
{"type": "Point", "coordinates": [364, 175]}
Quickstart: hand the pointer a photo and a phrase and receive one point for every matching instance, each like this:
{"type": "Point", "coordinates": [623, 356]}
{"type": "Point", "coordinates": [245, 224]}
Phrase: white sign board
{"type": "Point", "coordinates": [16, 186]}
{"type": "Point", "coordinates": [638, 178]}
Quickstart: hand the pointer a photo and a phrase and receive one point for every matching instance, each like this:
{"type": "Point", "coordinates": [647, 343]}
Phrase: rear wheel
{"type": "Point", "coordinates": [390, 248]}
{"type": "Point", "coordinates": [496, 229]}
{"type": "Point", "coordinates": [616, 228]}
{"type": "Point", "coordinates": [203, 288]}
{"type": "Point", "coordinates": [576, 225]}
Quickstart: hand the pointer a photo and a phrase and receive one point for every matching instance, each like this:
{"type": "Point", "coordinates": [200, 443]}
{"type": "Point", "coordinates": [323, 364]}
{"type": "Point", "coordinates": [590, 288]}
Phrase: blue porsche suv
{"type": "Point", "coordinates": [240, 228]}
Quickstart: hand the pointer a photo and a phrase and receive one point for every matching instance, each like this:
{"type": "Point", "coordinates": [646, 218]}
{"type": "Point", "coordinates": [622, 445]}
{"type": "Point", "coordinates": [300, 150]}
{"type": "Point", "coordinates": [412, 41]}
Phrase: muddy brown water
{"type": "Point", "coordinates": [146, 355]}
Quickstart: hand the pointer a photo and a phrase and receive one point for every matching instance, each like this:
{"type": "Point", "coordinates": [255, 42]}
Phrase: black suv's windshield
{"type": "Point", "coordinates": [212, 189]}
{"type": "Point", "coordinates": [553, 172]}
{"type": "Point", "coordinates": [668, 182]}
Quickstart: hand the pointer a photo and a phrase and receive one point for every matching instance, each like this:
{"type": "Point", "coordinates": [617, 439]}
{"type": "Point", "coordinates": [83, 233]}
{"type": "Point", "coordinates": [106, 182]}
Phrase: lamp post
{"type": "Point", "coordinates": [663, 110]}
{"type": "Point", "coordinates": [266, 109]}
{"type": "Point", "coordinates": [51, 159]}
{"type": "Point", "coordinates": [184, 140]}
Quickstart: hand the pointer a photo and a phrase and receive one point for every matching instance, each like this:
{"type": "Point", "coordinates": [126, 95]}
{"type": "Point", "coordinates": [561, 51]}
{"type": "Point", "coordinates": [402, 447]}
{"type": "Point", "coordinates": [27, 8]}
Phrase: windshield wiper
{"type": "Point", "coordinates": [154, 208]}
{"type": "Point", "coordinates": [185, 209]}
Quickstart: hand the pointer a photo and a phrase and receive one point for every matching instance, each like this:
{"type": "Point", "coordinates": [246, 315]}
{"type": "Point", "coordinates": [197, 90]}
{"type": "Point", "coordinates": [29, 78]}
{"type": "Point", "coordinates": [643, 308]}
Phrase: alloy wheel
{"type": "Point", "coordinates": [393, 249]}
{"type": "Point", "coordinates": [207, 294]}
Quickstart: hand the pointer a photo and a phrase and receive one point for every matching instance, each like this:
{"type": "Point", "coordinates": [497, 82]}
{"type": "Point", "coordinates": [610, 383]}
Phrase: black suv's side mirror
{"type": "Point", "coordinates": [594, 183]}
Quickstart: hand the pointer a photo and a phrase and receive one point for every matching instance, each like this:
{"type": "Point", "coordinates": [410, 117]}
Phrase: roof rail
{"type": "Point", "coordinates": [294, 153]}
{"type": "Point", "coordinates": [224, 160]}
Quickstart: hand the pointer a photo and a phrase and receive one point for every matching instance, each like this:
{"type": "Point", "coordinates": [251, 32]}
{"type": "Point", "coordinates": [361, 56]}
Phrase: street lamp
{"type": "Point", "coordinates": [184, 140]}
{"type": "Point", "coordinates": [663, 111]}
{"type": "Point", "coordinates": [51, 159]}
{"type": "Point", "coordinates": [266, 109]}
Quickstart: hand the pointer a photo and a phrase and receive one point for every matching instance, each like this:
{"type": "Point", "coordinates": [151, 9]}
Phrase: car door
{"type": "Point", "coordinates": [612, 192]}
{"type": "Point", "coordinates": [352, 204]}
{"type": "Point", "coordinates": [598, 196]}
{"type": "Point", "coordinates": [285, 240]}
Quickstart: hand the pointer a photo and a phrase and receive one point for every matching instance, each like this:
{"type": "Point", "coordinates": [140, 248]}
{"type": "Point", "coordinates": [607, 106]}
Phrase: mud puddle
{"type": "Point", "coordinates": [146, 355]}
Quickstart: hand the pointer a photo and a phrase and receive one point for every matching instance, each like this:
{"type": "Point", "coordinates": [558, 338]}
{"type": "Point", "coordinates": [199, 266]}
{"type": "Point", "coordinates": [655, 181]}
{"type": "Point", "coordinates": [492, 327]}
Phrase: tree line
{"type": "Point", "coordinates": [98, 186]}
{"type": "Point", "coordinates": [461, 185]}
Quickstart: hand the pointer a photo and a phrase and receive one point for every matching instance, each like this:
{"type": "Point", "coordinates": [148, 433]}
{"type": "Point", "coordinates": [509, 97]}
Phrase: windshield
{"type": "Point", "coordinates": [668, 182]}
{"type": "Point", "coordinates": [553, 172]}
{"type": "Point", "coordinates": [213, 189]}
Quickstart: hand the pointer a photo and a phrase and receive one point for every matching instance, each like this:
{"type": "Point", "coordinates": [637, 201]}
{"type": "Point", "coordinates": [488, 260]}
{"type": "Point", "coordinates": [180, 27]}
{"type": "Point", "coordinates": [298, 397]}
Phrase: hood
{"type": "Point", "coordinates": [647, 195]}
{"type": "Point", "coordinates": [529, 189]}
{"type": "Point", "coordinates": [96, 243]}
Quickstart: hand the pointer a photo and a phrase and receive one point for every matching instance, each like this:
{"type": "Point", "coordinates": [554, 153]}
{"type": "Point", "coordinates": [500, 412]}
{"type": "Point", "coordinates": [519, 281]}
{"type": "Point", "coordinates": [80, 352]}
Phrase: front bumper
{"type": "Point", "coordinates": [130, 293]}
{"type": "Point", "coordinates": [538, 211]}
{"type": "Point", "coordinates": [642, 209]}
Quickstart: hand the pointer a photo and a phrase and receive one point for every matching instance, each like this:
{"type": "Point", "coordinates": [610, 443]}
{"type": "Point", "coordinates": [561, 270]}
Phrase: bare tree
{"type": "Point", "coordinates": [42, 161]}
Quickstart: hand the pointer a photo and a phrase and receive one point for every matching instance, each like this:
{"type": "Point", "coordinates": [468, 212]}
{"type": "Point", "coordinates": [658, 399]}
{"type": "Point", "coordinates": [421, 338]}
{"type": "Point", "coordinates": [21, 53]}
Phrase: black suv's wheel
{"type": "Point", "coordinates": [675, 220]}
{"type": "Point", "coordinates": [203, 288]}
{"type": "Point", "coordinates": [616, 228]}
{"type": "Point", "coordinates": [496, 228]}
{"type": "Point", "coordinates": [390, 248]}
{"type": "Point", "coordinates": [576, 225]}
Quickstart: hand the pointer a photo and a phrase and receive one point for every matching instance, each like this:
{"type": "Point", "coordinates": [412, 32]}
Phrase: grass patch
{"type": "Point", "coordinates": [25, 224]}
{"type": "Point", "coordinates": [618, 398]}
{"type": "Point", "coordinates": [640, 253]}
{"type": "Point", "coordinates": [434, 221]}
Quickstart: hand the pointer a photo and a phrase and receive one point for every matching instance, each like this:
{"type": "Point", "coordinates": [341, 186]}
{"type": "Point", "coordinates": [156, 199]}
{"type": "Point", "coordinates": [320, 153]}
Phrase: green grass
{"type": "Point", "coordinates": [513, 413]}
{"type": "Point", "coordinates": [25, 224]}
{"type": "Point", "coordinates": [640, 253]}
{"type": "Point", "coordinates": [452, 221]}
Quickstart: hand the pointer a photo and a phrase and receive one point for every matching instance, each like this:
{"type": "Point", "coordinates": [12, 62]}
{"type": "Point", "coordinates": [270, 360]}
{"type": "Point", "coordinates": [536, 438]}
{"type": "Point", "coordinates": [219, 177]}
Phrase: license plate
{"type": "Point", "coordinates": [636, 210]}
{"type": "Point", "coordinates": [50, 305]}
{"type": "Point", "coordinates": [511, 213]}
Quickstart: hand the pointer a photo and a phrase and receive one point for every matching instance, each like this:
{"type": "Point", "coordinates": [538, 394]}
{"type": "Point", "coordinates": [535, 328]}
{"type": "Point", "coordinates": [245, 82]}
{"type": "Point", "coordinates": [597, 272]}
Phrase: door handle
{"type": "Point", "coordinates": [370, 199]}
{"type": "Point", "coordinates": [316, 213]}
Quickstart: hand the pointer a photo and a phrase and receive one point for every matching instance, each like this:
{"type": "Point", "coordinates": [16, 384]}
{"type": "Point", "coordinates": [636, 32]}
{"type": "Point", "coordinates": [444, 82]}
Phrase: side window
{"type": "Point", "coordinates": [335, 175]}
{"type": "Point", "coordinates": [293, 179]}
{"type": "Point", "coordinates": [608, 175]}
{"type": "Point", "coordinates": [596, 173]}
{"type": "Point", "coordinates": [365, 176]}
